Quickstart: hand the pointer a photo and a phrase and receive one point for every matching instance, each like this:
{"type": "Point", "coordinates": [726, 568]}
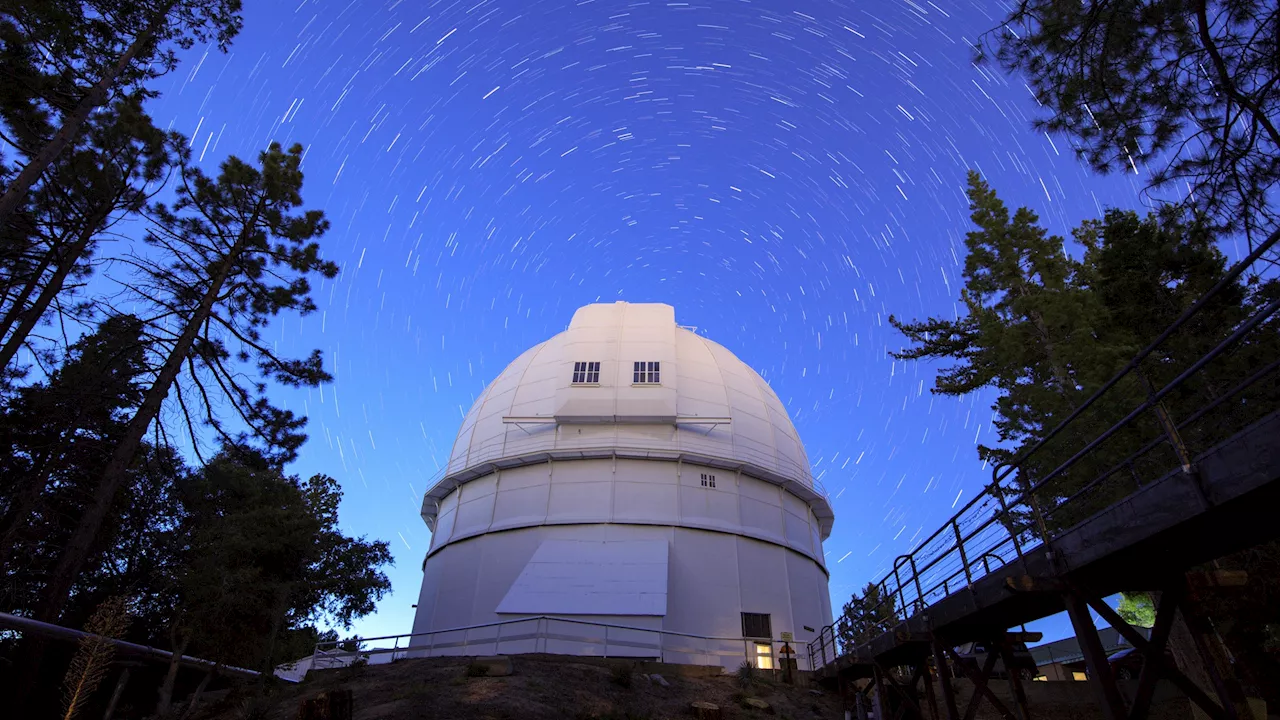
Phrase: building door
{"type": "Point", "coordinates": [757, 629]}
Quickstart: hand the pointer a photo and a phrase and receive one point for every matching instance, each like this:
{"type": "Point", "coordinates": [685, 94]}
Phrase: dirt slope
{"type": "Point", "coordinates": [541, 687]}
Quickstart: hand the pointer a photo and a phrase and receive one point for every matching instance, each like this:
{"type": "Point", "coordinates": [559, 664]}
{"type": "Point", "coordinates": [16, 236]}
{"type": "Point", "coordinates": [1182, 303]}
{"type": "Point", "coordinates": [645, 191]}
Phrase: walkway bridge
{"type": "Point", "coordinates": [1054, 533]}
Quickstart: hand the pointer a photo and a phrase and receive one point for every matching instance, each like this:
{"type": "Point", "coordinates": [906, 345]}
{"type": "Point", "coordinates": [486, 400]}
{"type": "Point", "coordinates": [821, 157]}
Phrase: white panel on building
{"type": "Point", "coordinates": [575, 577]}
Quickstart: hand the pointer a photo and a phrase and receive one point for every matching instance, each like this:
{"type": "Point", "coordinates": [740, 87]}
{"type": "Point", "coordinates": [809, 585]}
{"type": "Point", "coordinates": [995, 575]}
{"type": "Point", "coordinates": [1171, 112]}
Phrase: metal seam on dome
{"type": "Point", "coordinates": [519, 384]}
{"type": "Point", "coordinates": [724, 384]}
{"type": "Point", "coordinates": [757, 379]}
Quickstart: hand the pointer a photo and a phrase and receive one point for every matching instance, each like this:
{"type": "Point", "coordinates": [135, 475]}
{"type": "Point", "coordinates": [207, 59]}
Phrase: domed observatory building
{"type": "Point", "coordinates": [633, 489]}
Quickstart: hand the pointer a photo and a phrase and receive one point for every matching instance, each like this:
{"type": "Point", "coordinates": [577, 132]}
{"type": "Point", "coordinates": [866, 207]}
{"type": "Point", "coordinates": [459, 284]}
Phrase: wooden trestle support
{"type": "Point", "coordinates": [904, 691]}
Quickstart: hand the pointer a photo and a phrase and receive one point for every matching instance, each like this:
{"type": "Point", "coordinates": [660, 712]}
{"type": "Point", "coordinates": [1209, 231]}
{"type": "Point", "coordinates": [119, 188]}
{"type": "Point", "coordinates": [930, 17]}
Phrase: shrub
{"type": "Point", "coordinates": [254, 708]}
{"type": "Point", "coordinates": [476, 669]}
{"type": "Point", "coordinates": [747, 674]}
{"type": "Point", "coordinates": [620, 675]}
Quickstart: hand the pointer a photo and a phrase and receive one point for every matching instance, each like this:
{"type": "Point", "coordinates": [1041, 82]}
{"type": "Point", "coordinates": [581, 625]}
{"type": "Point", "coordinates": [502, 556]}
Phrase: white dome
{"type": "Point", "coordinates": [707, 406]}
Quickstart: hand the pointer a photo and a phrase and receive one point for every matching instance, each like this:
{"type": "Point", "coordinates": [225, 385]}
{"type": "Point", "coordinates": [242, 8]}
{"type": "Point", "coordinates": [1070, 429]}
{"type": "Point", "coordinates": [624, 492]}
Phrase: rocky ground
{"type": "Point", "coordinates": [547, 687]}
{"type": "Point", "coordinates": [551, 687]}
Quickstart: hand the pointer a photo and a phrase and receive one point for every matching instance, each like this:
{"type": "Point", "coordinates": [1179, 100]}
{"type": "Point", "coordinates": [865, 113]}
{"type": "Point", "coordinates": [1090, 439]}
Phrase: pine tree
{"type": "Point", "coordinates": [225, 258]}
{"type": "Point", "coordinates": [264, 558]}
{"type": "Point", "coordinates": [97, 49]}
{"type": "Point", "coordinates": [122, 158]}
{"type": "Point", "coordinates": [59, 434]}
{"type": "Point", "coordinates": [1190, 87]}
{"type": "Point", "coordinates": [1028, 331]}
{"type": "Point", "coordinates": [1135, 277]}
{"type": "Point", "coordinates": [865, 617]}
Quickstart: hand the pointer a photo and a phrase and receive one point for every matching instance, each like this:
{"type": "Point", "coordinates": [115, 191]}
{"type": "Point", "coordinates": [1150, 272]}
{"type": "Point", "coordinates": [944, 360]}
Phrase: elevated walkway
{"type": "Point", "coordinates": [1162, 529]}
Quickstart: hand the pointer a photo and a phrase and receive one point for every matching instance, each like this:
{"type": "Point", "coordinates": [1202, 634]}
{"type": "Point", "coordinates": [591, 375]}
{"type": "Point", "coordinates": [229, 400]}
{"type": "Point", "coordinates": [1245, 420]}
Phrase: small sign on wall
{"type": "Point", "coordinates": [787, 637]}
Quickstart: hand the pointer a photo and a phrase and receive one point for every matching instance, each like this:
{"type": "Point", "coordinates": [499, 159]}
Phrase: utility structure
{"type": "Point", "coordinates": [1020, 551]}
{"type": "Point", "coordinates": [630, 473]}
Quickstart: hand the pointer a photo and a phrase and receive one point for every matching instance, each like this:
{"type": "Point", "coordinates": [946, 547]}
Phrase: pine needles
{"type": "Point", "coordinates": [93, 658]}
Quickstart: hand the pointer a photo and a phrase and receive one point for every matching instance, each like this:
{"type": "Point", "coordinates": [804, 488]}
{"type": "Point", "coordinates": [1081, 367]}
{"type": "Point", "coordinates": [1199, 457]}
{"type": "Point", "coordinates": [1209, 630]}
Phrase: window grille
{"type": "Point", "coordinates": [708, 480]}
{"type": "Point", "coordinates": [645, 373]}
{"type": "Point", "coordinates": [586, 373]}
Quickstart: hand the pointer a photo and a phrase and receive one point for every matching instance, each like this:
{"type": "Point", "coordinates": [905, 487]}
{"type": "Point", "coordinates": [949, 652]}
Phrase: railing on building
{"type": "Point", "coordinates": [987, 529]}
{"type": "Point", "coordinates": [562, 636]}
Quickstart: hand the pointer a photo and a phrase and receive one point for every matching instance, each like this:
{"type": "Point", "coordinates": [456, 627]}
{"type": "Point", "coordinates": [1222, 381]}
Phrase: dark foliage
{"type": "Point", "coordinates": [1188, 88]}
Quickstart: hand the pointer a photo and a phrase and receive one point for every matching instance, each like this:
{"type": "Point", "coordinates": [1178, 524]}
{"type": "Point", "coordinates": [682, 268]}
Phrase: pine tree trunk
{"type": "Point", "coordinates": [29, 318]}
{"type": "Point", "coordinates": [204, 683]}
{"type": "Point", "coordinates": [28, 497]}
{"type": "Point", "coordinates": [165, 698]}
{"type": "Point", "coordinates": [20, 300]}
{"type": "Point", "coordinates": [282, 608]}
{"type": "Point", "coordinates": [71, 125]}
{"type": "Point", "coordinates": [77, 548]}
{"type": "Point", "coordinates": [115, 694]}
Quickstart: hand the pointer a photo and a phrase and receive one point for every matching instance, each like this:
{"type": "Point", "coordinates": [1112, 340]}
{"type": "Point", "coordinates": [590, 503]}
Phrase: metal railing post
{"type": "Point", "coordinates": [915, 575]}
{"type": "Point", "coordinates": [897, 581]}
{"type": "Point", "coordinates": [960, 546]}
{"type": "Point", "coordinates": [1167, 424]}
{"type": "Point", "coordinates": [606, 641]}
{"type": "Point", "coordinates": [497, 642]}
{"type": "Point", "coordinates": [1004, 511]}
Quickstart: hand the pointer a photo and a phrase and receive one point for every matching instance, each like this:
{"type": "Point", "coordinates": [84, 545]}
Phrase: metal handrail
{"type": "Point", "coordinates": [327, 651]}
{"type": "Point", "coordinates": [66, 634]}
{"type": "Point", "coordinates": [894, 585]}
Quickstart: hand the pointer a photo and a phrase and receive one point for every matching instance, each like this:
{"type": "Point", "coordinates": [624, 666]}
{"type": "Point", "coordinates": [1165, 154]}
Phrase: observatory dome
{"type": "Point", "coordinates": [703, 404]}
{"type": "Point", "coordinates": [631, 480]}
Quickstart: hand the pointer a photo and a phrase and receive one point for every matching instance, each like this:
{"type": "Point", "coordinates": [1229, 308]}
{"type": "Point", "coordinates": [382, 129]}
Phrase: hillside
{"type": "Point", "coordinates": [542, 687]}
{"type": "Point", "coordinates": [561, 687]}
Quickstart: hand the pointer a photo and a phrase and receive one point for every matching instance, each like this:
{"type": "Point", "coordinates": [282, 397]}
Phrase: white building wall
{"type": "Point", "coordinates": [713, 578]}
{"type": "Point", "coordinates": [745, 545]}
{"type": "Point", "coordinates": [620, 490]}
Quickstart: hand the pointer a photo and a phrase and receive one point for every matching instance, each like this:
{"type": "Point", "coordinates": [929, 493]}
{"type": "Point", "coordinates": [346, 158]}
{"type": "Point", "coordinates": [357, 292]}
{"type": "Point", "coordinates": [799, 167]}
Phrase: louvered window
{"type": "Point", "coordinates": [645, 373]}
{"type": "Point", "coordinates": [586, 373]}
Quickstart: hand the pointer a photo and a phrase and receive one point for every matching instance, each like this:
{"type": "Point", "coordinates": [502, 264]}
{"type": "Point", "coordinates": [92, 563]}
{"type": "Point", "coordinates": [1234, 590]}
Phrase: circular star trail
{"type": "Point", "coordinates": [786, 174]}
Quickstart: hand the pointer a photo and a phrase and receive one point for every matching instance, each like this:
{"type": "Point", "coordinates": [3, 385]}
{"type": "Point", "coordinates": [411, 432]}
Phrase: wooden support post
{"type": "Point", "coordinates": [944, 681]}
{"type": "Point", "coordinates": [881, 705]}
{"type": "Point", "coordinates": [1020, 705]}
{"type": "Point", "coordinates": [908, 702]}
{"type": "Point", "coordinates": [980, 689]}
{"type": "Point", "coordinates": [1199, 631]}
{"type": "Point", "coordinates": [1095, 658]}
{"type": "Point", "coordinates": [1155, 655]}
{"type": "Point", "coordinates": [1165, 612]}
{"type": "Point", "coordinates": [927, 677]}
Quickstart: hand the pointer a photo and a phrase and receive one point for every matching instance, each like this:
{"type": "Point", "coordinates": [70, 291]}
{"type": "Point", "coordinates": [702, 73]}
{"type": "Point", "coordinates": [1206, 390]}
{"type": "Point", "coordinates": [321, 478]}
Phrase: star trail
{"type": "Point", "coordinates": [786, 174]}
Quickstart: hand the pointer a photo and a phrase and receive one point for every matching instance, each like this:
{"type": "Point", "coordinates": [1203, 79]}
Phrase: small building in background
{"type": "Point", "coordinates": [1064, 660]}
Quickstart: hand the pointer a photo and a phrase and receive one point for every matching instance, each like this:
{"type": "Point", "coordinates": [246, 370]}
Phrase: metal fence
{"type": "Point", "coordinates": [561, 636]}
{"type": "Point", "coordinates": [1019, 512]}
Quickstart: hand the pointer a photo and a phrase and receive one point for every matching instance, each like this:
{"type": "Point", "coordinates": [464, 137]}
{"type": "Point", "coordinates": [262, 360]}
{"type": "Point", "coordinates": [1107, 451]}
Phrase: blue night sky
{"type": "Point", "coordinates": [786, 174]}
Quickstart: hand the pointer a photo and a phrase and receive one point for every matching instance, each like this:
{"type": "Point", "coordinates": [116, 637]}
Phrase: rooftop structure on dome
{"type": "Point", "coordinates": [628, 473]}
